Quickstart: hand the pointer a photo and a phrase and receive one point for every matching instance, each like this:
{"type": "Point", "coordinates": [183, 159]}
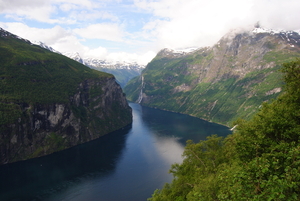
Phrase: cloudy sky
{"type": "Point", "coordinates": [135, 30]}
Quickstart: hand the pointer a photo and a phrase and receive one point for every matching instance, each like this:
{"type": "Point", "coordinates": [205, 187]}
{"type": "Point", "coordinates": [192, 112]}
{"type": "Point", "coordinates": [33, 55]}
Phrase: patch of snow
{"type": "Point", "coordinates": [273, 31]}
{"type": "Point", "coordinates": [186, 50]}
{"type": "Point", "coordinates": [74, 55]}
{"type": "Point", "coordinates": [43, 45]}
{"type": "Point", "coordinates": [98, 63]}
{"type": "Point", "coordinates": [270, 31]}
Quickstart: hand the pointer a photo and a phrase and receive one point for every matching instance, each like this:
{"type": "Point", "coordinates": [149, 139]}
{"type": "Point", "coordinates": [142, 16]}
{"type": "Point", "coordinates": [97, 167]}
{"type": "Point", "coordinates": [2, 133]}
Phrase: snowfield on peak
{"type": "Point", "coordinates": [93, 62]}
{"type": "Point", "coordinates": [43, 45]}
{"type": "Point", "coordinates": [273, 31]}
{"type": "Point", "coordinates": [186, 50]}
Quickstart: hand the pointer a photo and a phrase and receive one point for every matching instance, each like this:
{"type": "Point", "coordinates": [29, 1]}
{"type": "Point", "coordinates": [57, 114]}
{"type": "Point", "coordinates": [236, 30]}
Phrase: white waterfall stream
{"type": "Point", "coordinates": [139, 100]}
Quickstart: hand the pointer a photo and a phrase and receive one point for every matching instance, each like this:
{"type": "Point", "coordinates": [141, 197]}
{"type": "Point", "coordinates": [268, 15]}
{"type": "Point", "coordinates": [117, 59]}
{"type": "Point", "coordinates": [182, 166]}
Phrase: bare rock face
{"type": "Point", "coordinates": [97, 108]}
{"type": "Point", "coordinates": [221, 83]}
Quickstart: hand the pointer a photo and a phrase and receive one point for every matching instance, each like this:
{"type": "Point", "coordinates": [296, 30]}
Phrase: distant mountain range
{"type": "Point", "coordinates": [123, 71]}
{"type": "Point", "coordinates": [220, 83]}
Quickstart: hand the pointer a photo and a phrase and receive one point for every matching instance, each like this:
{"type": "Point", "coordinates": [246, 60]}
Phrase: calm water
{"type": "Point", "coordinates": [127, 165]}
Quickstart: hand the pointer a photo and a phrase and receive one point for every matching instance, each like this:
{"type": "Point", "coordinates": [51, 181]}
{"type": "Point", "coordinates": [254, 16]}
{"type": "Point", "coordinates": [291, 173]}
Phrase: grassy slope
{"type": "Point", "coordinates": [222, 101]}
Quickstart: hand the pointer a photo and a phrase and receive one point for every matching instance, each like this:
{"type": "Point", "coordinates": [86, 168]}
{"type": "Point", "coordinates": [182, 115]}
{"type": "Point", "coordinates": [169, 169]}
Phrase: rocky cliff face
{"type": "Point", "coordinates": [97, 108]}
{"type": "Point", "coordinates": [49, 102]}
{"type": "Point", "coordinates": [220, 83]}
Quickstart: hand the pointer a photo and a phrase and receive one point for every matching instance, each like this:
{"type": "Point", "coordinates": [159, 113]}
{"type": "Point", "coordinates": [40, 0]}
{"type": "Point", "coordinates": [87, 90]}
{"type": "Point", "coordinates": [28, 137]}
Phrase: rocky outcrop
{"type": "Point", "coordinates": [97, 108]}
{"type": "Point", "coordinates": [220, 83]}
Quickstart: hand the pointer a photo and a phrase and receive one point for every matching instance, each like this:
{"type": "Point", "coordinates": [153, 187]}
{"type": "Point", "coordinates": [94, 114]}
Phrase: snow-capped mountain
{"type": "Point", "coordinates": [186, 50]}
{"type": "Point", "coordinates": [123, 71]}
{"type": "Point", "coordinates": [232, 77]}
{"type": "Point", "coordinates": [43, 45]}
{"type": "Point", "coordinates": [292, 37]}
{"type": "Point", "coordinates": [99, 64]}
{"type": "Point", "coordinates": [93, 62]}
{"type": "Point", "coordinates": [74, 55]}
{"type": "Point", "coordinates": [272, 31]}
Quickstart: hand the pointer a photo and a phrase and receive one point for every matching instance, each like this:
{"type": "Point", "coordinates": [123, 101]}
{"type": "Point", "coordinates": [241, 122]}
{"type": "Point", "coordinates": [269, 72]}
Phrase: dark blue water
{"type": "Point", "coordinates": [128, 164]}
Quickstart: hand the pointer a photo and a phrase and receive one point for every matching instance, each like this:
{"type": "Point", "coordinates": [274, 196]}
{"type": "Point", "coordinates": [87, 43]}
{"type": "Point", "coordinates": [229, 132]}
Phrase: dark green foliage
{"type": "Point", "coordinates": [197, 177]}
{"type": "Point", "coordinates": [49, 102]}
{"type": "Point", "coordinates": [9, 112]}
{"type": "Point", "coordinates": [280, 56]}
{"type": "Point", "coordinates": [133, 88]}
{"type": "Point", "coordinates": [260, 161]}
{"type": "Point", "coordinates": [31, 74]}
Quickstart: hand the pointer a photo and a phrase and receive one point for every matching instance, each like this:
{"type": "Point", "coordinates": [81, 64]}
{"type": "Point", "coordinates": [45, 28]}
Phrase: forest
{"type": "Point", "coordinates": [34, 75]}
{"type": "Point", "coordinates": [259, 161]}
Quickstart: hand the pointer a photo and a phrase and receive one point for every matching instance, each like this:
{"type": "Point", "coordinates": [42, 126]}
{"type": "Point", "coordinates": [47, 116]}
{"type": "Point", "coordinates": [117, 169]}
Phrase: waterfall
{"type": "Point", "coordinates": [139, 100]}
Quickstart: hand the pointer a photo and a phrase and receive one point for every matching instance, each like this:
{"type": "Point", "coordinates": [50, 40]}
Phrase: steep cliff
{"type": "Point", "coordinates": [49, 102]}
{"type": "Point", "coordinates": [220, 83]}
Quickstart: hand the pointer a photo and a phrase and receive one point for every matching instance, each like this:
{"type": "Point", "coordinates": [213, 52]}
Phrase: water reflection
{"type": "Point", "coordinates": [22, 180]}
{"type": "Point", "coordinates": [182, 127]}
{"type": "Point", "coordinates": [169, 148]}
{"type": "Point", "coordinates": [125, 165]}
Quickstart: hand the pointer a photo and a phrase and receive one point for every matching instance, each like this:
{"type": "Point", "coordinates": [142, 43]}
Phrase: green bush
{"type": "Point", "coordinates": [260, 161]}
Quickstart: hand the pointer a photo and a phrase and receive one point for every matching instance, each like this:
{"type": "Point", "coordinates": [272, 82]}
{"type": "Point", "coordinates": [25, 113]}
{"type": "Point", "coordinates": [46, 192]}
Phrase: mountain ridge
{"type": "Point", "coordinates": [123, 71]}
{"type": "Point", "coordinates": [241, 69]}
{"type": "Point", "coordinates": [49, 102]}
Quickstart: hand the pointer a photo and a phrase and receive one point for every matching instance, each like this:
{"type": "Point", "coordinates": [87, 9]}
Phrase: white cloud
{"type": "Point", "coordinates": [49, 36]}
{"type": "Point", "coordinates": [141, 58]}
{"type": "Point", "coordinates": [29, 9]}
{"type": "Point", "coordinates": [146, 57]}
{"type": "Point", "coordinates": [140, 26]}
{"type": "Point", "coordinates": [66, 7]}
{"type": "Point", "coordinates": [64, 41]}
{"type": "Point", "coordinates": [56, 37]}
{"type": "Point", "coordinates": [99, 53]}
{"type": "Point", "coordinates": [105, 31]}
{"type": "Point", "coordinates": [184, 23]}
{"type": "Point", "coordinates": [277, 14]}
{"type": "Point", "coordinates": [75, 4]}
{"type": "Point", "coordinates": [54, 11]}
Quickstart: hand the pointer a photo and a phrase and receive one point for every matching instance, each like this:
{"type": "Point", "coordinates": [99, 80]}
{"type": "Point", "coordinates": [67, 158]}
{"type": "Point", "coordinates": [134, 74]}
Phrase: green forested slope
{"type": "Point", "coordinates": [220, 83]}
{"type": "Point", "coordinates": [49, 102]}
{"type": "Point", "coordinates": [31, 74]}
{"type": "Point", "coordinates": [260, 161]}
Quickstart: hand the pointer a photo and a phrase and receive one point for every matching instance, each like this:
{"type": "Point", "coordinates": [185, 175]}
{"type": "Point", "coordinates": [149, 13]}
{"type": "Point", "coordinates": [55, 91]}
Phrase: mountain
{"type": "Point", "coordinates": [75, 56]}
{"type": "Point", "coordinates": [49, 102]}
{"type": "Point", "coordinates": [123, 71]}
{"type": "Point", "coordinates": [259, 161]}
{"type": "Point", "coordinates": [43, 45]}
{"type": "Point", "coordinates": [220, 83]}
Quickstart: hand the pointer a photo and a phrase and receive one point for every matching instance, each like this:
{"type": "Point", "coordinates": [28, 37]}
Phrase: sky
{"type": "Point", "coordinates": [135, 30]}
